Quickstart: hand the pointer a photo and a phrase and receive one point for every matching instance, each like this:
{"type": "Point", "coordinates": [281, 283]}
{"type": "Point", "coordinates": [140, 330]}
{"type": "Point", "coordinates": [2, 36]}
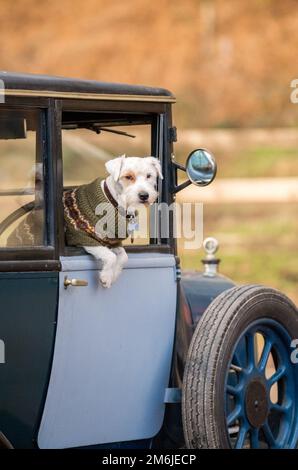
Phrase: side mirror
{"type": "Point", "coordinates": [201, 167]}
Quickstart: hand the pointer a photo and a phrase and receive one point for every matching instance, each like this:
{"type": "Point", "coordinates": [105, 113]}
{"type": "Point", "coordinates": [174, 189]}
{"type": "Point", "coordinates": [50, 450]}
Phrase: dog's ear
{"type": "Point", "coordinates": [114, 166]}
{"type": "Point", "coordinates": [156, 163]}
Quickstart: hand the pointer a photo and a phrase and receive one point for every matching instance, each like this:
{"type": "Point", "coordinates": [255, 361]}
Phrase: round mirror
{"type": "Point", "coordinates": [201, 167]}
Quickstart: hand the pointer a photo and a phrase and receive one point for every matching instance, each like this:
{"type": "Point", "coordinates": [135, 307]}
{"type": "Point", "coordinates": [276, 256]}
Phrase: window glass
{"type": "Point", "coordinates": [21, 179]}
{"type": "Point", "coordinates": [85, 152]}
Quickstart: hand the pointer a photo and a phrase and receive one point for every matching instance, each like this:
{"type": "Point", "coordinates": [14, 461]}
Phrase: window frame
{"type": "Point", "coordinates": [26, 259]}
{"type": "Point", "coordinates": [39, 257]}
{"type": "Point", "coordinates": [159, 145]}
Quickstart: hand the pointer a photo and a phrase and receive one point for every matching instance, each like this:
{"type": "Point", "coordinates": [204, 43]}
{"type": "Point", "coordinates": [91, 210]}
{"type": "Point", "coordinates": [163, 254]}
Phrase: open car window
{"type": "Point", "coordinates": [90, 140]}
{"type": "Point", "coordinates": [22, 220]}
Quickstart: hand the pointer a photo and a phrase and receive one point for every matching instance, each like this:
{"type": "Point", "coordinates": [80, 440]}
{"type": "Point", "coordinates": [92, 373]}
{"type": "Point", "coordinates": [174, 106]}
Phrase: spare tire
{"type": "Point", "coordinates": [240, 382]}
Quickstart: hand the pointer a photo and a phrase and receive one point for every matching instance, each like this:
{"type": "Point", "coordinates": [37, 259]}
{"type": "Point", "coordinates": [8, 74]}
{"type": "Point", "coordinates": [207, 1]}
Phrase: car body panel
{"type": "Point", "coordinates": [201, 289]}
{"type": "Point", "coordinates": [196, 291]}
{"type": "Point", "coordinates": [27, 328]}
{"type": "Point", "coordinates": [113, 353]}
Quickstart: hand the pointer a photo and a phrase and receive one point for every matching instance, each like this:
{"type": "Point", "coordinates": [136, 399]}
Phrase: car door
{"type": "Point", "coordinates": [114, 346]}
{"type": "Point", "coordinates": [28, 269]}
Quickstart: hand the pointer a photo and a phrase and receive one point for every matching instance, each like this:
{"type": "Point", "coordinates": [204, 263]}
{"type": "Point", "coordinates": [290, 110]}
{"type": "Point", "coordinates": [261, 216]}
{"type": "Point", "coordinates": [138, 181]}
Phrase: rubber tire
{"type": "Point", "coordinates": [209, 353]}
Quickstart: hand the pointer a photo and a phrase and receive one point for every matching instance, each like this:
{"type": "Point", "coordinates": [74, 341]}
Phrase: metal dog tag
{"type": "Point", "coordinates": [132, 225]}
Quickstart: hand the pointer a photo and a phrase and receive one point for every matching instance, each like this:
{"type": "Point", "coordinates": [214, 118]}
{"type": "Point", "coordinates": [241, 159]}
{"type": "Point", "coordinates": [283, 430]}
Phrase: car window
{"type": "Point", "coordinates": [85, 153]}
{"type": "Point", "coordinates": [21, 179]}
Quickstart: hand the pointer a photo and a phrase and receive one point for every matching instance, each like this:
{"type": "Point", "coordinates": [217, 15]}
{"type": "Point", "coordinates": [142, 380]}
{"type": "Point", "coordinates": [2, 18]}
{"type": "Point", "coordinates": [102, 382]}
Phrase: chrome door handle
{"type": "Point", "coordinates": [74, 282]}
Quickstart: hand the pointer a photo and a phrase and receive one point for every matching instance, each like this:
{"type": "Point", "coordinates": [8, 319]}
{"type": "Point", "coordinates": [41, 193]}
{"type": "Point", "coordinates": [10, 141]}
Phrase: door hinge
{"type": "Point", "coordinates": [178, 268]}
{"type": "Point", "coordinates": [172, 134]}
{"type": "Point", "coordinates": [178, 273]}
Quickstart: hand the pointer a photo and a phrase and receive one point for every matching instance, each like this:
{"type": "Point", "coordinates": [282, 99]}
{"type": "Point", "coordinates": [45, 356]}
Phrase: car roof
{"type": "Point", "coordinates": [19, 84]}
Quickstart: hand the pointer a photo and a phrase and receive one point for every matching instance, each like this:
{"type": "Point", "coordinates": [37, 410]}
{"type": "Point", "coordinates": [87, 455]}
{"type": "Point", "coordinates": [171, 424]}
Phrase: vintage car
{"type": "Point", "coordinates": [159, 360]}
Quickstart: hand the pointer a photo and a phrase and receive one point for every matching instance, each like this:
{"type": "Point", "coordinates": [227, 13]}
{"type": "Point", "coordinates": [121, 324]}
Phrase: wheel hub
{"type": "Point", "coordinates": [256, 403]}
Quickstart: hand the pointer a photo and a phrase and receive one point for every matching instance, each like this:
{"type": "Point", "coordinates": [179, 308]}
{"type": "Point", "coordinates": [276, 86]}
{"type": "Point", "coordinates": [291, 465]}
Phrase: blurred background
{"type": "Point", "coordinates": [230, 64]}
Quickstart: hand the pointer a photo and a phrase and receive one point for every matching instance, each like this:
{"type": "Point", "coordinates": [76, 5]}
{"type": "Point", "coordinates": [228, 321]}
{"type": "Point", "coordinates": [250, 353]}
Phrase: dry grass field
{"type": "Point", "coordinates": [229, 63]}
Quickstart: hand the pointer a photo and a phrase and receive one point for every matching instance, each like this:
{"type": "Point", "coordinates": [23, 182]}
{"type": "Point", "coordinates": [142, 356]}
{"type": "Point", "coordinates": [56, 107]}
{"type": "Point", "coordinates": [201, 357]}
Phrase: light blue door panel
{"type": "Point", "coordinates": [112, 354]}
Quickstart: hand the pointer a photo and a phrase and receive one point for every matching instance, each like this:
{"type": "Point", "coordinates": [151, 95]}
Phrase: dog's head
{"type": "Point", "coordinates": [135, 178]}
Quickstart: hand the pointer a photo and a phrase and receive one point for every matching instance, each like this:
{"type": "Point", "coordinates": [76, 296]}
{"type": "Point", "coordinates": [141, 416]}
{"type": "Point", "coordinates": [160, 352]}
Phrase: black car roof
{"type": "Point", "coordinates": [19, 84]}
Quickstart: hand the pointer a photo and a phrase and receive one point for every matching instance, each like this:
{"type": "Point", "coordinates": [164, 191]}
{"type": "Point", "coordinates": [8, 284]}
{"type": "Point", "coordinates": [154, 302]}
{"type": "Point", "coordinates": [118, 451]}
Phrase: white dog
{"type": "Point", "coordinates": [132, 182]}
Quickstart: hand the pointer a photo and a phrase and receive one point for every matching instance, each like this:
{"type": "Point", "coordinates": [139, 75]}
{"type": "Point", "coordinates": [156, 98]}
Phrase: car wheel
{"type": "Point", "coordinates": [240, 382]}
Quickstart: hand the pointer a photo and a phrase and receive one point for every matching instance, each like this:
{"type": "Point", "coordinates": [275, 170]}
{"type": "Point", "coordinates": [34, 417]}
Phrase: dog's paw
{"type": "Point", "coordinates": [106, 278]}
{"type": "Point", "coordinates": [116, 274]}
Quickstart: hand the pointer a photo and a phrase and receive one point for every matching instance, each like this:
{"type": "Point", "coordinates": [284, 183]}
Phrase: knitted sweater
{"type": "Point", "coordinates": [81, 220]}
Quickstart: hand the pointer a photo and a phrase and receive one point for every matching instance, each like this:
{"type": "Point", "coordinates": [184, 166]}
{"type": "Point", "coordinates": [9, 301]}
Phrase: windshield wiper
{"type": "Point", "coordinates": [118, 132]}
{"type": "Point", "coordinates": [96, 128]}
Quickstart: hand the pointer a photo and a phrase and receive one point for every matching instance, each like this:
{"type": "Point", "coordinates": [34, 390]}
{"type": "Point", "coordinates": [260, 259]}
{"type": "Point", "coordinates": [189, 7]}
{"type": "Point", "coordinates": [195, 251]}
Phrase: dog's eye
{"type": "Point", "coordinates": [129, 177]}
{"type": "Point", "coordinates": [149, 176]}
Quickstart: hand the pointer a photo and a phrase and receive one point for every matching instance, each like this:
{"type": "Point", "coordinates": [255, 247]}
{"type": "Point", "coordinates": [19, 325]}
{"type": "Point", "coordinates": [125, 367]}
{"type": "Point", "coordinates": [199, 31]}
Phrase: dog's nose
{"type": "Point", "coordinates": [143, 195]}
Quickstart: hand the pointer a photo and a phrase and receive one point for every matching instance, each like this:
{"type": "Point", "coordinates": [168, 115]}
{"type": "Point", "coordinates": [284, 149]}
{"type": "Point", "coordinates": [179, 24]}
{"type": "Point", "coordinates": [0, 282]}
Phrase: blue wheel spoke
{"type": "Point", "coordinates": [233, 415]}
{"type": "Point", "coordinates": [284, 408]}
{"type": "Point", "coordinates": [269, 436]}
{"type": "Point", "coordinates": [236, 359]}
{"type": "Point", "coordinates": [239, 360]}
{"type": "Point", "coordinates": [250, 348]}
{"type": "Point", "coordinates": [234, 390]}
{"type": "Point", "coordinates": [265, 354]}
{"type": "Point", "coordinates": [241, 437]}
{"type": "Point", "coordinates": [246, 380]}
{"type": "Point", "coordinates": [277, 375]}
{"type": "Point", "coordinates": [254, 438]}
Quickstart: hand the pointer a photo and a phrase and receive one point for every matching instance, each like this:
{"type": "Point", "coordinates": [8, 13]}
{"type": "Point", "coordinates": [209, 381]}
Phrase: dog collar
{"type": "Point", "coordinates": [132, 218]}
{"type": "Point", "coordinates": [113, 201]}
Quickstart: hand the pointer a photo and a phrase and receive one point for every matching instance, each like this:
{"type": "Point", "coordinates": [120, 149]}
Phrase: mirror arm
{"type": "Point", "coordinates": [181, 186]}
{"type": "Point", "coordinates": [178, 166]}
